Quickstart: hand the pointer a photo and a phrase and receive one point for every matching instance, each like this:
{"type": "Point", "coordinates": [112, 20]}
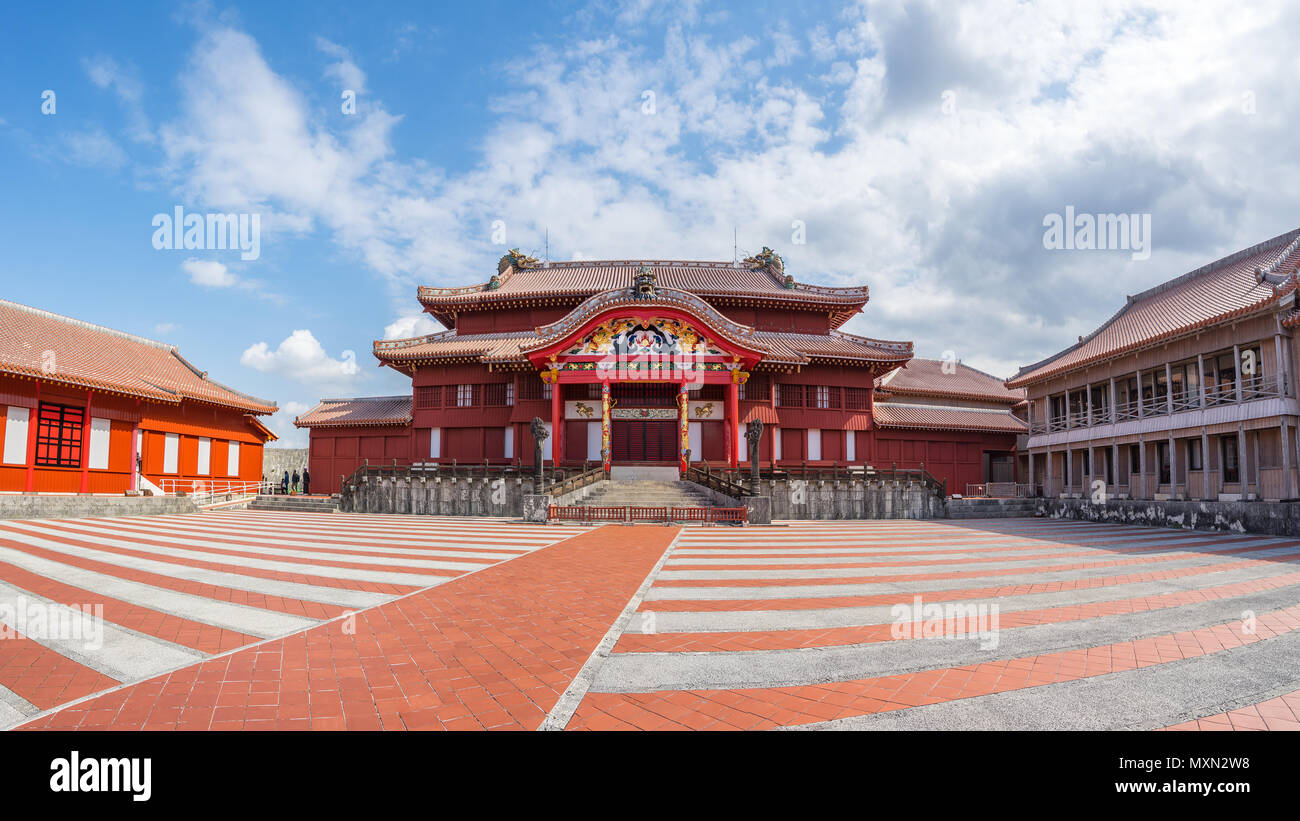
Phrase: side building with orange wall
{"type": "Point", "coordinates": [87, 409]}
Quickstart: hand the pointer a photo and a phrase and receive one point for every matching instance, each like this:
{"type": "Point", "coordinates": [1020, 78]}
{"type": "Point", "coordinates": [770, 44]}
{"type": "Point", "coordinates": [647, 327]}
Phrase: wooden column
{"type": "Point", "coordinates": [1114, 466]}
{"type": "Point", "coordinates": [1288, 487]}
{"type": "Point", "coordinates": [1142, 463]}
{"type": "Point", "coordinates": [33, 423]}
{"type": "Point", "coordinates": [1141, 409]}
{"type": "Point", "coordinates": [733, 425]}
{"type": "Point", "coordinates": [1069, 469]}
{"type": "Point", "coordinates": [683, 427]}
{"type": "Point", "coordinates": [1031, 471]}
{"type": "Point", "coordinates": [1241, 444]}
{"type": "Point", "coordinates": [557, 423]}
{"type": "Point", "coordinates": [606, 427]}
{"type": "Point", "coordinates": [1200, 373]}
{"type": "Point", "coordinates": [1205, 463]}
{"type": "Point", "coordinates": [1173, 467]}
{"type": "Point", "coordinates": [85, 446]}
{"type": "Point", "coordinates": [1047, 476]}
{"type": "Point", "coordinates": [1236, 369]}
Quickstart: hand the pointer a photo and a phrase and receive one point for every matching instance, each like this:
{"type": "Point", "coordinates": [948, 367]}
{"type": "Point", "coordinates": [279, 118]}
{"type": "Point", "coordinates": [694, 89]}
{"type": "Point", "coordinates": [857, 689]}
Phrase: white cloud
{"type": "Point", "coordinates": [108, 74]}
{"type": "Point", "coordinates": [301, 357]}
{"type": "Point", "coordinates": [344, 70]}
{"type": "Point", "coordinates": [281, 424]}
{"type": "Point", "coordinates": [1129, 107]}
{"type": "Point", "coordinates": [164, 328]}
{"type": "Point", "coordinates": [209, 273]}
{"type": "Point", "coordinates": [411, 325]}
{"type": "Point", "coordinates": [93, 148]}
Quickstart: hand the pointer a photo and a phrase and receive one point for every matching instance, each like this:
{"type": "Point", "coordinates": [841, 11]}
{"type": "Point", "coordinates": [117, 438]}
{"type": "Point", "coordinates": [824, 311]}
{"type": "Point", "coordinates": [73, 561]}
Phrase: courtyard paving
{"type": "Point", "coordinates": [275, 620]}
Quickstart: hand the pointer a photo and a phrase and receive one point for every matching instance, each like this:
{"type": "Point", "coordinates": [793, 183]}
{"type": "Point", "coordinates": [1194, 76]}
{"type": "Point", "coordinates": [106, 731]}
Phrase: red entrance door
{"type": "Point", "coordinates": [644, 440]}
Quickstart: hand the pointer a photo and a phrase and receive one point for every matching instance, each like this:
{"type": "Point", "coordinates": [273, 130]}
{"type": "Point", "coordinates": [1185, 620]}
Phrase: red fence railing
{"type": "Point", "coordinates": [632, 513]}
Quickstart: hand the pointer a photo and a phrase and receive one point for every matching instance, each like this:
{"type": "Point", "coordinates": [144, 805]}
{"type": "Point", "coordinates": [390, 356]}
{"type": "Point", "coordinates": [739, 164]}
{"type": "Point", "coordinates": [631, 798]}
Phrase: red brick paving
{"type": "Point", "coordinates": [770, 707]}
{"type": "Point", "coordinates": [1280, 713]}
{"type": "Point", "coordinates": [44, 677]}
{"type": "Point", "coordinates": [491, 650]}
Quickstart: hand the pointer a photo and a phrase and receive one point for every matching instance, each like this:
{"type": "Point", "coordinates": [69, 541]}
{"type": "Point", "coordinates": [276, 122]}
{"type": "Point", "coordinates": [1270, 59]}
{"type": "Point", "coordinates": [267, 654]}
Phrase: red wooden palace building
{"type": "Point", "coordinates": [626, 362]}
{"type": "Point", "coordinates": [81, 406]}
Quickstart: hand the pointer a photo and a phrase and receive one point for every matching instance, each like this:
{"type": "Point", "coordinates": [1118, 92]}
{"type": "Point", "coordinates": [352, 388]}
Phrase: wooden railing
{"type": "Point", "coordinates": [567, 484]}
{"type": "Point", "coordinates": [717, 480]}
{"type": "Point", "coordinates": [634, 513]}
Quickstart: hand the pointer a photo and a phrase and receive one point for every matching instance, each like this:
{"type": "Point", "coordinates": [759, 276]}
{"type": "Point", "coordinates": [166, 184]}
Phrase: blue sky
{"type": "Point", "coordinates": [921, 146]}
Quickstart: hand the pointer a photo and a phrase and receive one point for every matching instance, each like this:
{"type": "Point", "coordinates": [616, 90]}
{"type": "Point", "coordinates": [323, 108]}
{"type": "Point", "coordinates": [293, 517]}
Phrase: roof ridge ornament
{"type": "Point", "coordinates": [645, 285]}
{"type": "Point", "coordinates": [514, 258]}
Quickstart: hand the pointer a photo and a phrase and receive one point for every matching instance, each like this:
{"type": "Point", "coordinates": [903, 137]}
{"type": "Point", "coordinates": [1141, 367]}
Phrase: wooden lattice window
{"type": "Point", "coordinates": [789, 396]}
{"type": "Point", "coordinates": [58, 436]}
{"type": "Point", "coordinates": [428, 396]}
{"type": "Point", "coordinates": [857, 398]}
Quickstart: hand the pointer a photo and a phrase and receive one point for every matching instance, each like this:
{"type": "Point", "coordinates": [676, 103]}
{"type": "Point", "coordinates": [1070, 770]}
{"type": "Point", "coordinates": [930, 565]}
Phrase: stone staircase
{"type": "Point", "coordinates": [978, 508]}
{"type": "Point", "coordinates": [300, 504]}
{"type": "Point", "coordinates": [647, 493]}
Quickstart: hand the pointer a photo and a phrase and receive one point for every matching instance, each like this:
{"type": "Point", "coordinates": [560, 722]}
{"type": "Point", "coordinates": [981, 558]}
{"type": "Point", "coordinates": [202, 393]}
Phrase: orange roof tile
{"type": "Point", "coordinates": [926, 377]}
{"type": "Point", "coordinates": [936, 417]}
{"type": "Point", "coordinates": [1239, 284]}
{"type": "Point", "coordinates": [584, 278]}
{"type": "Point", "coordinates": [360, 411]}
{"type": "Point", "coordinates": [61, 349]}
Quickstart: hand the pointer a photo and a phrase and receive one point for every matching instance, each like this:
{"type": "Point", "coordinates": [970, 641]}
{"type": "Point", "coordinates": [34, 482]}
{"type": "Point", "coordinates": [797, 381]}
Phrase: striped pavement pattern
{"type": "Point", "coordinates": [176, 590]}
{"type": "Point", "coordinates": [1099, 626]}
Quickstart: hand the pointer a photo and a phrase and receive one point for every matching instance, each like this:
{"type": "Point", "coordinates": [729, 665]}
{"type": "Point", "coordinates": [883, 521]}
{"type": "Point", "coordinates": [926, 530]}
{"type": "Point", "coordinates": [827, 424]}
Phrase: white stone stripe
{"type": "Point", "coordinates": [102, 646]}
{"type": "Point", "coordinates": [246, 619]}
{"type": "Point", "coordinates": [223, 538]}
{"type": "Point", "coordinates": [320, 557]}
{"type": "Point", "coordinates": [901, 584]}
{"type": "Point", "coordinates": [329, 536]}
{"type": "Point", "coordinates": [253, 584]}
{"type": "Point", "coordinates": [324, 571]}
{"type": "Point", "coordinates": [726, 621]}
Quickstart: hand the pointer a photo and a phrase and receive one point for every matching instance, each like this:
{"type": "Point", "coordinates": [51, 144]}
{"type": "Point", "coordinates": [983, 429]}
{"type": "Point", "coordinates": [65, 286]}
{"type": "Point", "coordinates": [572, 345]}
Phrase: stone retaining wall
{"type": "Point", "coordinates": [38, 506]}
{"type": "Point", "coordinates": [441, 496]}
{"type": "Point", "coordinates": [1273, 518]}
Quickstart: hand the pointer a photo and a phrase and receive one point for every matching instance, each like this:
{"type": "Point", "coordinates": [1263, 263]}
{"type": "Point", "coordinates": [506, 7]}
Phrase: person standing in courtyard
{"type": "Point", "coordinates": [306, 482]}
{"type": "Point", "coordinates": [284, 484]}
{"type": "Point", "coordinates": [293, 486]}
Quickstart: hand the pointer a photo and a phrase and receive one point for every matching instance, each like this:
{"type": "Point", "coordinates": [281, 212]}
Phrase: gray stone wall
{"type": "Point", "coordinates": [851, 499]}
{"type": "Point", "coordinates": [440, 496]}
{"type": "Point", "coordinates": [275, 461]}
{"type": "Point", "coordinates": [789, 499]}
{"type": "Point", "coordinates": [1274, 518]}
{"type": "Point", "coordinates": [36, 506]}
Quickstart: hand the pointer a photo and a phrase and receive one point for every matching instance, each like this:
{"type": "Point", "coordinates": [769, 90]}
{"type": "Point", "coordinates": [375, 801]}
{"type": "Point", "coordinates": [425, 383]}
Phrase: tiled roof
{"type": "Point", "coordinates": [1235, 286]}
{"type": "Point", "coordinates": [60, 349]}
{"type": "Point", "coordinates": [926, 377]}
{"type": "Point", "coordinates": [800, 348]}
{"type": "Point", "coordinates": [357, 412]}
{"type": "Point", "coordinates": [584, 278]}
{"type": "Point", "coordinates": [934, 417]}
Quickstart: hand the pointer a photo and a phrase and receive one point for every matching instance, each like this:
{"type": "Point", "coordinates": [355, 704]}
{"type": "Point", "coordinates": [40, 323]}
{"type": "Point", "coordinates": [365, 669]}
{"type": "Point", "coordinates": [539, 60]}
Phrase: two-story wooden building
{"type": "Point", "coordinates": [1187, 392]}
